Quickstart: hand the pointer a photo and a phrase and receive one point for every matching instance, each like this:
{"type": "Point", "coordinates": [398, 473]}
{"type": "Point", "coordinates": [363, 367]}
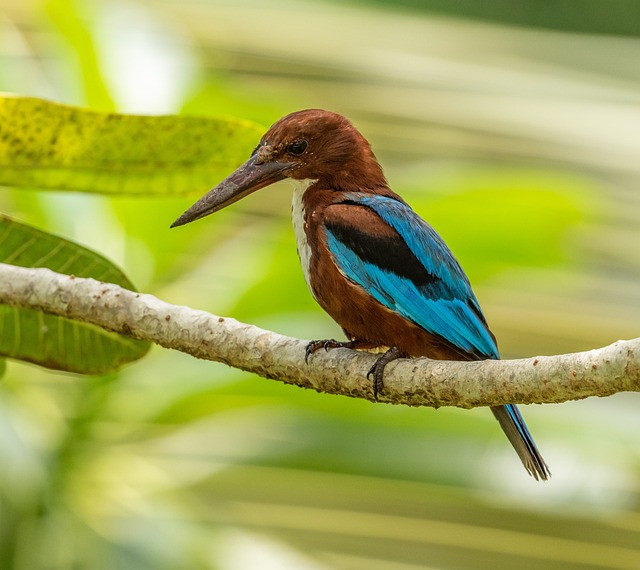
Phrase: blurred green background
{"type": "Point", "coordinates": [513, 127]}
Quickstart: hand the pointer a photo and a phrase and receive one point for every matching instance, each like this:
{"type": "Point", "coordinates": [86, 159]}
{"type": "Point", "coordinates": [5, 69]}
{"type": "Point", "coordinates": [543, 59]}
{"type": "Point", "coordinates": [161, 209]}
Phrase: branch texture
{"type": "Point", "coordinates": [415, 382]}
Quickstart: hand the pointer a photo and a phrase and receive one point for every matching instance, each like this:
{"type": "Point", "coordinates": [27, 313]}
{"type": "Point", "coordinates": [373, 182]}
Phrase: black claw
{"type": "Point", "coordinates": [376, 373]}
{"type": "Point", "coordinates": [376, 379]}
{"type": "Point", "coordinates": [311, 348]}
{"type": "Point", "coordinates": [315, 345]}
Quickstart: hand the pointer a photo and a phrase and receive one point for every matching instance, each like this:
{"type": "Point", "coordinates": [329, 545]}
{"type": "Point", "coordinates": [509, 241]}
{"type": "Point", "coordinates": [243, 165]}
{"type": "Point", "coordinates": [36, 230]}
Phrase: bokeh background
{"type": "Point", "coordinates": [513, 127]}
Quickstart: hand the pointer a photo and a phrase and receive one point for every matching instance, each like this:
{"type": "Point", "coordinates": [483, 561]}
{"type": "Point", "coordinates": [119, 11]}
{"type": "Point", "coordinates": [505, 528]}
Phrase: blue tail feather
{"type": "Point", "coordinates": [516, 430]}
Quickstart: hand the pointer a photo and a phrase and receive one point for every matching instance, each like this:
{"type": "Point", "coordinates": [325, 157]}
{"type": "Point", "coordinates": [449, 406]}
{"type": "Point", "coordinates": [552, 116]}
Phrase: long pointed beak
{"type": "Point", "coordinates": [248, 178]}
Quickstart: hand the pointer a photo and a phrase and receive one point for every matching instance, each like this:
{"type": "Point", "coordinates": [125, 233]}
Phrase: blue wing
{"type": "Point", "coordinates": [403, 263]}
{"type": "Point", "coordinates": [413, 273]}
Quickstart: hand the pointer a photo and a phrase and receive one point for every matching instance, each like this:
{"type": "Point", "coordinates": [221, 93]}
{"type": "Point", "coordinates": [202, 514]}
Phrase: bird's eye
{"type": "Point", "coordinates": [297, 147]}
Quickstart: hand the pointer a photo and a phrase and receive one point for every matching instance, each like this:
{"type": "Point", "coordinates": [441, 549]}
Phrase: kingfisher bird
{"type": "Point", "coordinates": [375, 266]}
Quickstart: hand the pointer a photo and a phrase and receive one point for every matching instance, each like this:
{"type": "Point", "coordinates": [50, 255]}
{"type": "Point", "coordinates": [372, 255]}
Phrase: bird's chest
{"type": "Point", "coordinates": [300, 217]}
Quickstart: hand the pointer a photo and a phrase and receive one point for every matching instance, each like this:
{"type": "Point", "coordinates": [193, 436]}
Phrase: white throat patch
{"type": "Point", "coordinates": [298, 218]}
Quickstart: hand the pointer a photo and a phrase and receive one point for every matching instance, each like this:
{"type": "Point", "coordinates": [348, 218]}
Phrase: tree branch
{"type": "Point", "coordinates": [415, 382]}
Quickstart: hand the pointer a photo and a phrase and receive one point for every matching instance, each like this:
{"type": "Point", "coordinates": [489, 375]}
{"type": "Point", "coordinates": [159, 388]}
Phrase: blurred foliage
{"type": "Point", "coordinates": [529, 212]}
{"type": "Point", "coordinates": [617, 17]}
{"type": "Point", "coordinates": [68, 18]}
{"type": "Point", "coordinates": [48, 145]}
{"type": "Point", "coordinates": [532, 174]}
{"type": "Point", "coordinates": [56, 342]}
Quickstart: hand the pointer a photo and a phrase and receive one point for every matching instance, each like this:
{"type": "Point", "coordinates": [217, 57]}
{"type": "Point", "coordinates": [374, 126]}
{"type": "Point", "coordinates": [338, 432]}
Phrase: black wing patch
{"type": "Point", "coordinates": [389, 254]}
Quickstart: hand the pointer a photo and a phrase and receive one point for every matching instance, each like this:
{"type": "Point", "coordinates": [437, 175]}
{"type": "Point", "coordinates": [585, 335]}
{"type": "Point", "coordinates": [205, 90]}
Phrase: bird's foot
{"type": "Point", "coordinates": [377, 370]}
{"type": "Point", "coordinates": [315, 345]}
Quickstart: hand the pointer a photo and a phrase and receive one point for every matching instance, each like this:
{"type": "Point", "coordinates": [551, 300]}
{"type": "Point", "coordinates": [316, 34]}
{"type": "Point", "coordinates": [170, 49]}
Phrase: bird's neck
{"type": "Point", "coordinates": [361, 174]}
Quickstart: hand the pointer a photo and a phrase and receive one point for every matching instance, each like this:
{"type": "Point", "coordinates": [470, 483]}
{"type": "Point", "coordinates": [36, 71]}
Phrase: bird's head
{"type": "Point", "coordinates": [311, 144]}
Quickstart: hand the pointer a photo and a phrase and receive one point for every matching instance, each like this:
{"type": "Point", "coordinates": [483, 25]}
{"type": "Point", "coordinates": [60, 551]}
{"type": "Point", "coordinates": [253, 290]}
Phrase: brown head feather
{"type": "Point", "coordinates": [336, 153]}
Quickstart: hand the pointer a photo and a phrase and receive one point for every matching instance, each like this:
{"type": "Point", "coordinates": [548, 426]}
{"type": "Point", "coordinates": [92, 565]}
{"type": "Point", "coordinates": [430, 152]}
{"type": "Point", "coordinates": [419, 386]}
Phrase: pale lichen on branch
{"type": "Point", "coordinates": [417, 382]}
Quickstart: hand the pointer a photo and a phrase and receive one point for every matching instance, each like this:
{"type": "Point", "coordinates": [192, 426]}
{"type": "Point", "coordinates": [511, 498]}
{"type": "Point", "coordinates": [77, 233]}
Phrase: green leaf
{"type": "Point", "coordinates": [55, 342]}
{"type": "Point", "coordinates": [52, 146]}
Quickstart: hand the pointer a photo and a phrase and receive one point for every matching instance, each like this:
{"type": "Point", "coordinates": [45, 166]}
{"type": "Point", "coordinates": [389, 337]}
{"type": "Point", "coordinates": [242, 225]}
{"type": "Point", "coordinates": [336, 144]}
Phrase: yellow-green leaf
{"type": "Point", "coordinates": [55, 342]}
{"type": "Point", "coordinates": [52, 146]}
